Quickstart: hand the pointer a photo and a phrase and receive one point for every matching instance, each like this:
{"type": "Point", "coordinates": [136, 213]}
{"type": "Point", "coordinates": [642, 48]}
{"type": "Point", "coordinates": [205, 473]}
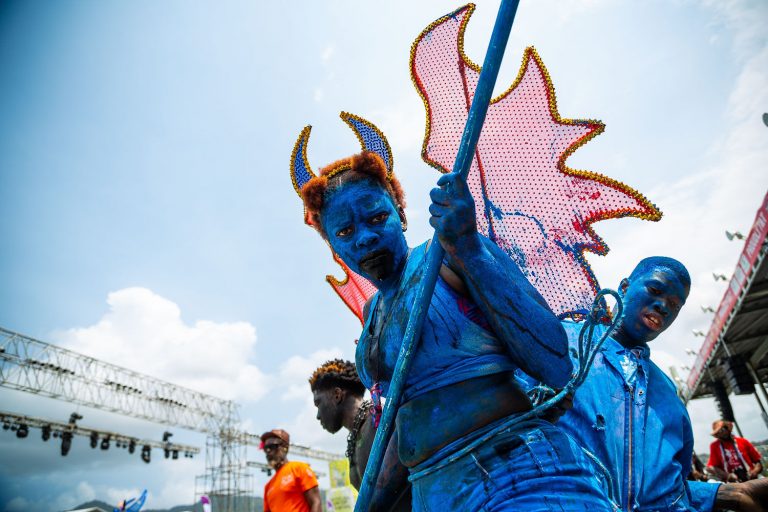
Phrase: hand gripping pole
{"type": "Point", "coordinates": [435, 253]}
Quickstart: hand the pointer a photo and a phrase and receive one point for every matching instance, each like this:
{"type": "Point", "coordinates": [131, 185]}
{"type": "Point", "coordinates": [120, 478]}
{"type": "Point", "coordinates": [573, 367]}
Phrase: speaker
{"type": "Point", "coordinates": [721, 400]}
{"type": "Point", "coordinates": [737, 375]}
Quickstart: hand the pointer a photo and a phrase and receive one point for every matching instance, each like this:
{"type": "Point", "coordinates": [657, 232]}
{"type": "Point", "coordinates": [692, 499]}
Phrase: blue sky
{"type": "Point", "coordinates": [148, 219]}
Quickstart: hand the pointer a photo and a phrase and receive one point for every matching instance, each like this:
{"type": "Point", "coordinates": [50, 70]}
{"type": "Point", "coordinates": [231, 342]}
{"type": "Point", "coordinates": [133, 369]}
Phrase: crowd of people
{"type": "Point", "coordinates": [623, 440]}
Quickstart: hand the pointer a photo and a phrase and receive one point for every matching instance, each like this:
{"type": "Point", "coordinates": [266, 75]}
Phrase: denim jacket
{"type": "Point", "coordinates": [628, 416]}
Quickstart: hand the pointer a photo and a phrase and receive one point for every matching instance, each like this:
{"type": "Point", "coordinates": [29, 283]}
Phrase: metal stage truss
{"type": "Point", "coordinates": [12, 421]}
{"type": "Point", "coordinates": [36, 367]}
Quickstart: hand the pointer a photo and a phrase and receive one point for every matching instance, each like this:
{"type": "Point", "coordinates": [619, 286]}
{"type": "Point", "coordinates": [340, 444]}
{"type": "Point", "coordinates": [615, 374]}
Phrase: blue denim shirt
{"type": "Point", "coordinates": [627, 415]}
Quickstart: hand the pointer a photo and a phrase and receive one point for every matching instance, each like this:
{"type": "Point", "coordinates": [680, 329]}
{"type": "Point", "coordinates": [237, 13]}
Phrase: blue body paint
{"type": "Point", "coordinates": [464, 339]}
{"type": "Point", "coordinates": [652, 297]}
{"type": "Point", "coordinates": [364, 229]}
{"type": "Point", "coordinates": [627, 413]}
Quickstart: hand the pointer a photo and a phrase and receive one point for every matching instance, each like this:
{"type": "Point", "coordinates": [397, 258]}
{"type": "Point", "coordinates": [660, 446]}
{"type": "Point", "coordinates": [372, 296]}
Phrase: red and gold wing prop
{"type": "Point", "coordinates": [529, 202]}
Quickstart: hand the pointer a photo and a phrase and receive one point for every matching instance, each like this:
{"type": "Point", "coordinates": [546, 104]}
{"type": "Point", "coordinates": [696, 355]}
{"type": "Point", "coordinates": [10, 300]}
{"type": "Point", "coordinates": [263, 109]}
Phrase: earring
{"type": "Point", "coordinates": [404, 226]}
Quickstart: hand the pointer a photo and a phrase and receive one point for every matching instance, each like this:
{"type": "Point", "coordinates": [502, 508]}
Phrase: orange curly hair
{"type": "Point", "coordinates": [337, 373]}
{"type": "Point", "coordinates": [356, 167]}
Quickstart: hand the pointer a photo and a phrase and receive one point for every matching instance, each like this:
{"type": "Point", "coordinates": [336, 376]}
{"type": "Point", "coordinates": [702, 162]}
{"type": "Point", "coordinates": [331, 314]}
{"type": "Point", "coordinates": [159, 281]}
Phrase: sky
{"type": "Point", "coordinates": [148, 218]}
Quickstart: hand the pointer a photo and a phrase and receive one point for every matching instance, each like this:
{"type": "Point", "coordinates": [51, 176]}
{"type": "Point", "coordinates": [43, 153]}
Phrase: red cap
{"type": "Point", "coordinates": [278, 433]}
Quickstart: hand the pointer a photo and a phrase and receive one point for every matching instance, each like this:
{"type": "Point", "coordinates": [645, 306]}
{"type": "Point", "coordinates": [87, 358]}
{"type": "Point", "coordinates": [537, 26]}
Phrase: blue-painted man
{"type": "Point", "coordinates": [627, 413]}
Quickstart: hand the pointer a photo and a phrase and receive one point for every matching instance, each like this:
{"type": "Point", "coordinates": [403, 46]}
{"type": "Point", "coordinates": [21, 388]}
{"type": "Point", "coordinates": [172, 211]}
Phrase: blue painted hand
{"type": "Point", "coordinates": [453, 214]}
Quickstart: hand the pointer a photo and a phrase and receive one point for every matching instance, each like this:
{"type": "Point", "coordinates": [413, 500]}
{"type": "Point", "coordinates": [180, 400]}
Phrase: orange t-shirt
{"type": "Point", "coordinates": [285, 491]}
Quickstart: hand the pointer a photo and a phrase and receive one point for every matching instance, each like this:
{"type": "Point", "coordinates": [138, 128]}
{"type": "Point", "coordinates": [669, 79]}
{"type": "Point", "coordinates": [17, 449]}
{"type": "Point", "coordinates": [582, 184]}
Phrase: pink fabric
{"type": "Point", "coordinates": [527, 201]}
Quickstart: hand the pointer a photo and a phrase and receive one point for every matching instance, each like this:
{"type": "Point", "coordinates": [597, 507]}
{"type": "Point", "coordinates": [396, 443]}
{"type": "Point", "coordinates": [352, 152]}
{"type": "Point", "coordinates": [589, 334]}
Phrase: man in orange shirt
{"type": "Point", "coordinates": [293, 488]}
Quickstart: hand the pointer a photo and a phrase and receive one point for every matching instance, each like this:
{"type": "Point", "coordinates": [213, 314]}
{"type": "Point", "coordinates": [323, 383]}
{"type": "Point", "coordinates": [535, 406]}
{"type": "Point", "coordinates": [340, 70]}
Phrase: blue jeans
{"type": "Point", "coordinates": [533, 468]}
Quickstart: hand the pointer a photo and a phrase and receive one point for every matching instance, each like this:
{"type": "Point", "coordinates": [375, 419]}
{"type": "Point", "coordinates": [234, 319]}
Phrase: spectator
{"type": "Point", "coordinates": [697, 470]}
{"type": "Point", "coordinates": [293, 488]}
{"type": "Point", "coordinates": [338, 395]}
{"type": "Point", "coordinates": [732, 458]}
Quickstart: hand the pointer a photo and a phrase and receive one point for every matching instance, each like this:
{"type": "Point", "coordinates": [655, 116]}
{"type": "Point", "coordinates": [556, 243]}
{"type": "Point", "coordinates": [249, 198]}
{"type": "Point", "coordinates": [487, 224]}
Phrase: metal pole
{"type": "Point", "coordinates": [759, 390]}
{"type": "Point", "coordinates": [435, 253]}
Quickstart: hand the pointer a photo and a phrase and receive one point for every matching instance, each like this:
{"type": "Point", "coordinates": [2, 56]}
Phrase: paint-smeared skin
{"type": "Point", "coordinates": [652, 300]}
{"type": "Point", "coordinates": [364, 228]}
{"type": "Point", "coordinates": [361, 220]}
{"type": "Point", "coordinates": [517, 312]}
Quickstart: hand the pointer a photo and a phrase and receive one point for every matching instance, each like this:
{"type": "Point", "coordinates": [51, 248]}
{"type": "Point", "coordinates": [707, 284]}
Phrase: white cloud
{"type": "Point", "coordinates": [744, 20]}
{"type": "Point", "coordinates": [328, 52]}
{"type": "Point", "coordinates": [83, 492]}
{"type": "Point", "coordinates": [17, 504]}
{"type": "Point", "coordinates": [403, 122]}
{"type": "Point", "coordinates": [145, 332]}
{"type": "Point", "coordinates": [295, 371]}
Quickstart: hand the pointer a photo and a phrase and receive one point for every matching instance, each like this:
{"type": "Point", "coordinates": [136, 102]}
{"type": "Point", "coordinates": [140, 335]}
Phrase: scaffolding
{"type": "Point", "coordinates": [39, 368]}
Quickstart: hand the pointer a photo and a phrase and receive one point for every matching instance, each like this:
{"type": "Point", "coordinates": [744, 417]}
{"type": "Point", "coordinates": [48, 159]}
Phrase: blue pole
{"type": "Point", "coordinates": [435, 254]}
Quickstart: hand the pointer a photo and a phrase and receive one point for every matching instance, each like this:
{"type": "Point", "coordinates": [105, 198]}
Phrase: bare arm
{"type": "Point", "coordinates": [515, 310]}
{"type": "Point", "coordinates": [392, 482]}
{"type": "Point", "coordinates": [751, 496]}
{"type": "Point", "coordinates": [312, 496]}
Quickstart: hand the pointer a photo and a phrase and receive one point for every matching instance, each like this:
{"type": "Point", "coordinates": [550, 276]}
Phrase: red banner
{"type": "Point", "coordinates": [743, 270]}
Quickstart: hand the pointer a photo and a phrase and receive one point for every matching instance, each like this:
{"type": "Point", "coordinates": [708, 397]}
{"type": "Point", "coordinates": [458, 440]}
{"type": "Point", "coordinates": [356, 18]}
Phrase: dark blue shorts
{"type": "Point", "coordinates": [534, 467]}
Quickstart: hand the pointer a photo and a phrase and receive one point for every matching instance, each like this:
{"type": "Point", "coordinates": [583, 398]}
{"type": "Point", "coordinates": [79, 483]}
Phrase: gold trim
{"type": "Point", "coordinates": [336, 170]}
{"type": "Point", "coordinates": [303, 138]}
{"type": "Point", "coordinates": [347, 117]}
{"type": "Point", "coordinates": [647, 211]}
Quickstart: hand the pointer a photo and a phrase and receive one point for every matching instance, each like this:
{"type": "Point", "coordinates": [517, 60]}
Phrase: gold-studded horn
{"type": "Point", "coordinates": [371, 138]}
{"type": "Point", "coordinates": [301, 172]}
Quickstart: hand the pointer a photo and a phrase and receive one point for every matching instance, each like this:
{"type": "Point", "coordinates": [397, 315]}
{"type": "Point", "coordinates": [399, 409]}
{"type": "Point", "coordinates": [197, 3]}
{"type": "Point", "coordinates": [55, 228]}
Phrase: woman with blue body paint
{"type": "Point", "coordinates": [485, 320]}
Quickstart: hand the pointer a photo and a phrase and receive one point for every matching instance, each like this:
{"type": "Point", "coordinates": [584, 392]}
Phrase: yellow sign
{"type": "Point", "coordinates": [341, 499]}
{"type": "Point", "coordinates": [341, 496]}
{"type": "Point", "coordinates": [339, 473]}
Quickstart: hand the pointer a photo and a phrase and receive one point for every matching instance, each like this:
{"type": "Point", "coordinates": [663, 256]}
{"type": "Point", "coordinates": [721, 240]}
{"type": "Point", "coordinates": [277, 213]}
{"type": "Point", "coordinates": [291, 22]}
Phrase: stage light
{"type": "Point", "coordinates": [66, 443]}
{"type": "Point", "coordinates": [46, 432]}
{"type": "Point", "coordinates": [146, 450]}
{"type": "Point", "coordinates": [6, 426]}
{"type": "Point", "coordinates": [132, 446]}
{"type": "Point", "coordinates": [167, 452]}
{"type": "Point", "coordinates": [105, 443]}
{"type": "Point", "coordinates": [23, 431]}
{"type": "Point", "coordinates": [74, 417]}
{"type": "Point", "coordinates": [175, 454]}
{"type": "Point", "coordinates": [94, 439]}
{"type": "Point", "coordinates": [167, 436]}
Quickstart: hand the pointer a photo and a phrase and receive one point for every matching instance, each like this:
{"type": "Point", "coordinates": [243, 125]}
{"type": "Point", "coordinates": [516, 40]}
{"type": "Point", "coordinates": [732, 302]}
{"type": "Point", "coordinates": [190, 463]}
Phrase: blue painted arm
{"type": "Point", "coordinates": [703, 494]}
{"type": "Point", "coordinates": [475, 119]}
{"type": "Point", "coordinates": [518, 314]}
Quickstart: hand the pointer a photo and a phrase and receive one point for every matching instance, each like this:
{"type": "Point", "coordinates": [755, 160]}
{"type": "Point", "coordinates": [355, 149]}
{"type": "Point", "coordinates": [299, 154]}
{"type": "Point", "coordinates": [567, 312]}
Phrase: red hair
{"type": "Point", "coordinates": [353, 168]}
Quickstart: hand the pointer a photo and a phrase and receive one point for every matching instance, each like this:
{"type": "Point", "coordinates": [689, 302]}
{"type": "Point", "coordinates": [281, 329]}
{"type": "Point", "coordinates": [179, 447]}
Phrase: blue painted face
{"type": "Point", "coordinates": [652, 301]}
{"type": "Point", "coordinates": [363, 227]}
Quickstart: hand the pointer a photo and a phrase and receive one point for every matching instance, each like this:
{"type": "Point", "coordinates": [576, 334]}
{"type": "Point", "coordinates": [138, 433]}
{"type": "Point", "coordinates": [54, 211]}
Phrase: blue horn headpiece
{"type": "Point", "coordinates": [370, 137]}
